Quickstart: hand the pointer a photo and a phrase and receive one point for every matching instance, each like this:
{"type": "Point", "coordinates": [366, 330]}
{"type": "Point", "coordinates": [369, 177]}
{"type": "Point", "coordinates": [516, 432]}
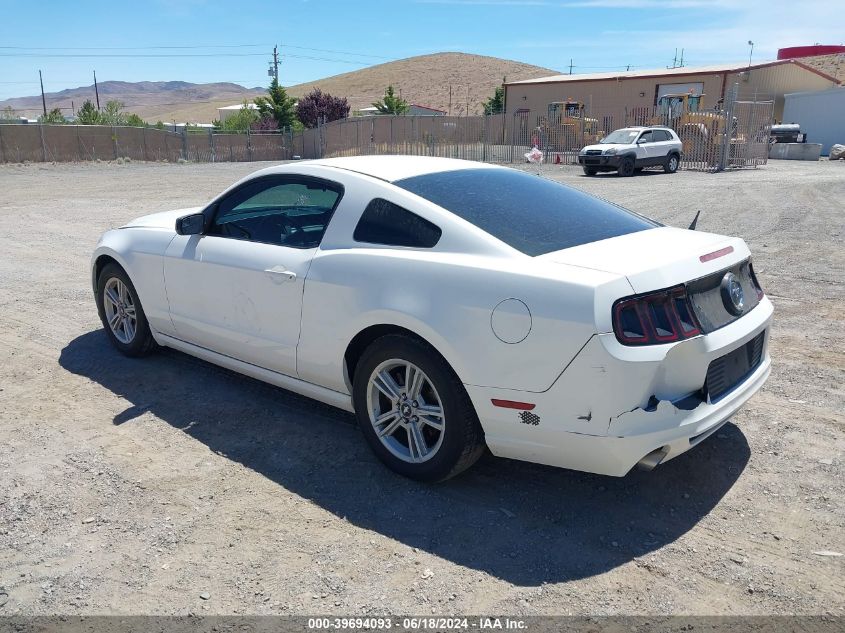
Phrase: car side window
{"type": "Point", "coordinates": [386, 223]}
{"type": "Point", "coordinates": [286, 211]}
{"type": "Point", "coordinates": [661, 135]}
{"type": "Point", "coordinates": [646, 137]}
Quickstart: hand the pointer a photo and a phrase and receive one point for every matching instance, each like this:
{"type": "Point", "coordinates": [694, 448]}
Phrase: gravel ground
{"type": "Point", "coordinates": [169, 486]}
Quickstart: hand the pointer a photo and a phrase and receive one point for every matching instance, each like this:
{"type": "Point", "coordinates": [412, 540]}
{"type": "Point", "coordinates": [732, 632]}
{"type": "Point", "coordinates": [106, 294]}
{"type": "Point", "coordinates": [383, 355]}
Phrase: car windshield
{"type": "Point", "coordinates": [620, 136]}
{"type": "Point", "coordinates": [532, 214]}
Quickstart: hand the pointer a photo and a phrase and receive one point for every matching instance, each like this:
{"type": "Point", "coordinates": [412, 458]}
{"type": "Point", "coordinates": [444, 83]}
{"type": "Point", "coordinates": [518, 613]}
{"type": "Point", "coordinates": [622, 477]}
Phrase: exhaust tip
{"type": "Point", "coordinates": [653, 459]}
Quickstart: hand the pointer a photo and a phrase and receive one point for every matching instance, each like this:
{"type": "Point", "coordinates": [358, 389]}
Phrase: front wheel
{"type": "Point", "coordinates": [122, 314]}
{"type": "Point", "coordinates": [589, 171]}
{"type": "Point", "coordinates": [626, 167]}
{"type": "Point", "coordinates": [672, 163]}
{"type": "Point", "coordinates": [414, 411]}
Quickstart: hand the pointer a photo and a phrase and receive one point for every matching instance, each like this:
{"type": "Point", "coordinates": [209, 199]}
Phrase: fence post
{"type": "Point", "coordinates": [484, 133]}
{"type": "Point", "coordinates": [2, 150]}
{"type": "Point", "coordinates": [144, 141]}
{"type": "Point", "coordinates": [43, 147]}
{"type": "Point", "coordinates": [725, 154]}
{"type": "Point", "coordinates": [211, 144]}
{"type": "Point", "coordinates": [185, 142]}
{"type": "Point", "coordinates": [248, 144]}
{"type": "Point", "coordinates": [114, 140]}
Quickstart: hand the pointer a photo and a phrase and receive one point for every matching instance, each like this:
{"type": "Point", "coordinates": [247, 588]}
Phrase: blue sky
{"type": "Point", "coordinates": [232, 40]}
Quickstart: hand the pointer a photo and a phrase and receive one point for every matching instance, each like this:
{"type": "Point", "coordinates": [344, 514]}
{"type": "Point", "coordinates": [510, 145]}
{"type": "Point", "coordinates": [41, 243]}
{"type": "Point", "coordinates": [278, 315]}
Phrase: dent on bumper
{"type": "Point", "coordinates": [604, 414]}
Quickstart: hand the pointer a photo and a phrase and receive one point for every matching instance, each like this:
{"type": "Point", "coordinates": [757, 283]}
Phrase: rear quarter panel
{"type": "Point", "coordinates": [448, 299]}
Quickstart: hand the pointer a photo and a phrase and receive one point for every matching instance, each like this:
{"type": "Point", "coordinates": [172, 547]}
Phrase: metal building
{"type": "Point", "coordinates": [615, 96]}
{"type": "Point", "coordinates": [821, 115]}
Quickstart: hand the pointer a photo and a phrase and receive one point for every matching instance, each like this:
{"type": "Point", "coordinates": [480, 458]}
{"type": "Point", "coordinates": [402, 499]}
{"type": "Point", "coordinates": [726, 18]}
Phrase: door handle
{"type": "Point", "coordinates": [280, 273]}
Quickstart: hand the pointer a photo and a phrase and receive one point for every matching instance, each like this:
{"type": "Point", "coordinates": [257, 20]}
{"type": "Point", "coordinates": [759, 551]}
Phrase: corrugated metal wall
{"type": "Point", "coordinates": [820, 114]}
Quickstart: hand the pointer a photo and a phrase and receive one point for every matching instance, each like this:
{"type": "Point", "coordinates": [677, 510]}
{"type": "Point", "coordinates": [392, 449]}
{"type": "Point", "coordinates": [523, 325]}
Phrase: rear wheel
{"type": "Point", "coordinates": [414, 411]}
{"type": "Point", "coordinates": [122, 314]}
{"type": "Point", "coordinates": [589, 171]}
{"type": "Point", "coordinates": [672, 163]}
{"type": "Point", "coordinates": [626, 167]}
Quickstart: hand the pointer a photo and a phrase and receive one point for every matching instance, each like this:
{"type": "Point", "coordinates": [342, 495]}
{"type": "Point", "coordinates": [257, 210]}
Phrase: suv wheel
{"type": "Point", "coordinates": [589, 171]}
{"type": "Point", "coordinates": [626, 167]}
{"type": "Point", "coordinates": [672, 162]}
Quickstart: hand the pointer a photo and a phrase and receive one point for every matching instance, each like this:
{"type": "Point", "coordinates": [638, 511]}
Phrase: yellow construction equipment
{"type": "Point", "coordinates": [702, 133]}
{"type": "Point", "coordinates": [567, 128]}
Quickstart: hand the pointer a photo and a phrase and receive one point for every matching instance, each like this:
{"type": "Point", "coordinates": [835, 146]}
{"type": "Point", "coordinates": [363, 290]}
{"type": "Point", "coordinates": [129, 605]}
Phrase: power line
{"type": "Point", "coordinates": [326, 50]}
{"type": "Point", "coordinates": [326, 59]}
{"type": "Point", "coordinates": [125, 48]}
{"type": "Point", "coordinates": [121, 55]}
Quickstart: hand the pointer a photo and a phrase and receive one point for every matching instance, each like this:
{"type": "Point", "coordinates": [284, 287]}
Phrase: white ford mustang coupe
{"type": "Point", "coordinates": [451, 305]}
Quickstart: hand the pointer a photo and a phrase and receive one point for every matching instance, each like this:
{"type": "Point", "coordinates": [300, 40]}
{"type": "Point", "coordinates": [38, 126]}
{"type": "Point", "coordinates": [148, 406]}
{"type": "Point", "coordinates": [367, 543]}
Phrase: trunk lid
{"type": "Point", "coordinates": [657, 258]}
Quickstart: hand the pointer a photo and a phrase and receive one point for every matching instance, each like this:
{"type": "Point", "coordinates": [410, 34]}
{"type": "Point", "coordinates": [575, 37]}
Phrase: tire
{"type": "Point", "coordinates": [672, 163]}
{"type": "Point", "coordinates": [136, 340]}
{"type": "Point", "coordinates": [457, 444]}
{"type": "Point", "coordinates": [626, 167]}
{"type": "Point", "coordinates": [589, 171]}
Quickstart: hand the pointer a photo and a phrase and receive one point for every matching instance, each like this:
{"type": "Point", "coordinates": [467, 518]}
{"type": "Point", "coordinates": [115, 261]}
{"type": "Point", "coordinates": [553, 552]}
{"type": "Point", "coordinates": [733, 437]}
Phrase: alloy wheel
{"type": "Point", "coordinates": [406, 411]}
{"type": "Point", "coordinates": [120, 310]}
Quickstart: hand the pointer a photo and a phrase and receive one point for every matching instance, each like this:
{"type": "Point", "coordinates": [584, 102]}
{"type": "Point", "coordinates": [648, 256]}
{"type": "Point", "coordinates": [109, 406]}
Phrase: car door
{"type": "Point", "coordinates": [662, 144]}
{"type": "Point", "coordinates": [237, 288]}
{"type": "Point", "coordinates": [644, 148]}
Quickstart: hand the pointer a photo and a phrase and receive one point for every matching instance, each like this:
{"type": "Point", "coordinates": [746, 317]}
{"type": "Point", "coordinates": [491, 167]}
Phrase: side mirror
{"type": "Point", "coordinates": [191, 224]}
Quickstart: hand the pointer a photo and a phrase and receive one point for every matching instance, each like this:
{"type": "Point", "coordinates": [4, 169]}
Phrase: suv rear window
{"type": "Point", "coordinates": [532, 214]}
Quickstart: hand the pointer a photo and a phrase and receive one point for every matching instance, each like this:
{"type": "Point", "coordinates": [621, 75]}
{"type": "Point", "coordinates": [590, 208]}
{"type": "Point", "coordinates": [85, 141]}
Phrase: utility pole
{"type": "Point", "coordinates": [96, 91]}
{"type": "Point", "coordinates": [751, 52]}
{"type": "Point", "coordinates": [450, 99]}
{"type": "Point", "coordinates": [570, 65]}
{"type": "Point", "coordinates": [682, 58]}
{"type": "Point", "coordinates": [43, 100]}
{"type": "Point", "coordinates": [276, 63]}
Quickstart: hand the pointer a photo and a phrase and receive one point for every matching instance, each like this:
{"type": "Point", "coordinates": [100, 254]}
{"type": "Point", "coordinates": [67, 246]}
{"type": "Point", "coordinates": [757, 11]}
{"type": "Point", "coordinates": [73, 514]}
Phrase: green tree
{"type": "Point", "coordinates": [88, 114]}
{"type": "Point", "coordinates": [53, 117]}
{"type": "Point", "coordinates": [133, 120]}
{"type": "Point", "coordinates": [241, 121]}
{"type": "Point", "coordinates": [496, 103]}
{"type": "Point", "coordinates": [278, 105]}
{"type": "Point", "coordinates": [391, 104]}
{"type": "Point", "coordinates": [159, 125]}
{"type": "Point", "coordinates": [8, 114]}
{"type": "Point", "coordinates": [113, 114]}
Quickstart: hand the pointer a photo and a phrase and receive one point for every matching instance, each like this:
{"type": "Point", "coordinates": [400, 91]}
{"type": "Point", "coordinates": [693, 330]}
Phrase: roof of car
{"type": "Point", "coordinates": [392, 168]}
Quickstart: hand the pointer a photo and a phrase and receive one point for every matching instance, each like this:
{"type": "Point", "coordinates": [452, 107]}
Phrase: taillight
{"type": "Point", "coordinates": [658, 317]}
{"type": "Point", "coordinates": [757, 286]}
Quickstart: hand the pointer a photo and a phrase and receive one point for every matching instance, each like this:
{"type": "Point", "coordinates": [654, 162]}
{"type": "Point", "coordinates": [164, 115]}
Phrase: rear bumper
{"type": "Point", "coordinates": [614, 405]}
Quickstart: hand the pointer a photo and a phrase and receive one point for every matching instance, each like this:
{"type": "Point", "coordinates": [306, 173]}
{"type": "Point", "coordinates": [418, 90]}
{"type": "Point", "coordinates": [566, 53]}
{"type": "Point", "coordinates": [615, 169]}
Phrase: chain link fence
{"type": "Point", "coordinates": [735, 133]}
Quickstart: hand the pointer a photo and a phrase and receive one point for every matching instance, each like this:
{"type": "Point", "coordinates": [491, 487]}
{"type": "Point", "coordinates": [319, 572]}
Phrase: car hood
{"type": "Point", "coordinates": [656, 258]}
{"type": "Point", "coordinates": [162, 220]}
{"type": "Point", "coordinates": [606, 146]}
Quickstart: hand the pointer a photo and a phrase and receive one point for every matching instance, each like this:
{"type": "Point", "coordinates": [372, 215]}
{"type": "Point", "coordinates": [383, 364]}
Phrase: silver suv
{"type": "Point", "coordinates": [631, 149]}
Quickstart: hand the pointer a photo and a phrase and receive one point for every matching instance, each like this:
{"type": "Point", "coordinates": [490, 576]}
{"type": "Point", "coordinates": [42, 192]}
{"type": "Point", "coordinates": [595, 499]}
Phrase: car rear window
{"type": "Point", "coordinates": [532, 214]}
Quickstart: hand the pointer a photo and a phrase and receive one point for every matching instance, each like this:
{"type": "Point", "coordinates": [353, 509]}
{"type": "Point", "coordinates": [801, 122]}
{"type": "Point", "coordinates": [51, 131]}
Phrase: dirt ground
{"type": "Point", "coordinates": [169, 486]}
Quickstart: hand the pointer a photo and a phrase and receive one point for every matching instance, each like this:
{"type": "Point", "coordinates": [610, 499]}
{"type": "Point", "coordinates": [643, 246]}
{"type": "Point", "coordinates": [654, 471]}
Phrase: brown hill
{"type": "Point", "coordinates": [423, 80]}
{"type": "Point", "coordinates": [151, 100]}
